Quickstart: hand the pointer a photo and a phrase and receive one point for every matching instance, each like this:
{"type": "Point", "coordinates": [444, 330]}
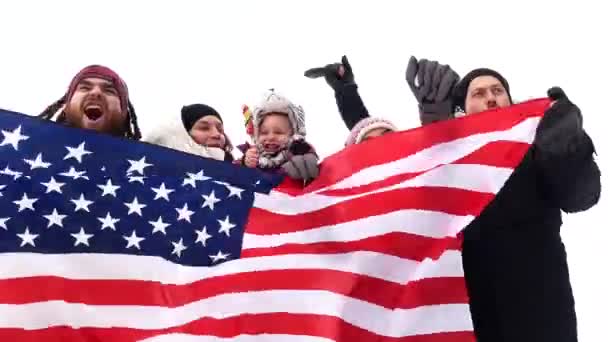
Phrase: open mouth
{"type": "Point", "coordinates": [93, 112]}
{"type": "Point", "coordinates": [272, 147]}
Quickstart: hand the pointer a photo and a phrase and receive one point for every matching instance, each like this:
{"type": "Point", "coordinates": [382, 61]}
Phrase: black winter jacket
{"type": "Point", "coordinates": [514, 260]}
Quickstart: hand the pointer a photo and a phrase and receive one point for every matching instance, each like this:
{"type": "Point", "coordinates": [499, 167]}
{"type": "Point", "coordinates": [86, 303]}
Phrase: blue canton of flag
{"type": "Point", "coordinates": [66, 190]}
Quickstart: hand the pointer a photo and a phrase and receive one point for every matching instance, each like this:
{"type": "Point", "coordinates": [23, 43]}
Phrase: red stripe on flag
{"type": "Point", "coordinates": [447, 200]}
{"type": "Point", "coordinates": [259, 324]}
{"type": "Point", "coordinates": [393, 180]}
{"type": "Point", "coordinates": [506, 154]}
{"type": "Point", "coordinates": [403, 245]}
{"type": "Point", "coordinates": [145, 293]}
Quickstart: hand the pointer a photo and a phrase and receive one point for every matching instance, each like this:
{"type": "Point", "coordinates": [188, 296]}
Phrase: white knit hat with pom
{"type": "Point", "coordinates": [365, 126]}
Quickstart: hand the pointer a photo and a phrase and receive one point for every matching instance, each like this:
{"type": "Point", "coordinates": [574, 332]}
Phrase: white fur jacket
{"type": "Point", "coordinates": [174, 136]}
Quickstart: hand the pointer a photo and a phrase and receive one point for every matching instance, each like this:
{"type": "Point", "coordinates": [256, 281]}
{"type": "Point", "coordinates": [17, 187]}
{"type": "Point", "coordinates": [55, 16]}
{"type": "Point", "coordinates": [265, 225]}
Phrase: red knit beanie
{"type": "Point", "coordinates": [105, 73]}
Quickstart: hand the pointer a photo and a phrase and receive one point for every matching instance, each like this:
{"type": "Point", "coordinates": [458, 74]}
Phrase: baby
{"type": "Point", "coordinates": [279, 138]}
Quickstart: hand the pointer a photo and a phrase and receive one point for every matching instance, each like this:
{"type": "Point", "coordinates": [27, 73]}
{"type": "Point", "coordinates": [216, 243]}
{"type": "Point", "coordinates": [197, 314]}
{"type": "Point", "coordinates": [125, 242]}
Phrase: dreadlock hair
{"type": "Point", "coordinates": [51, 110]}
{"type": "Point", "coordinates": [132, 130]}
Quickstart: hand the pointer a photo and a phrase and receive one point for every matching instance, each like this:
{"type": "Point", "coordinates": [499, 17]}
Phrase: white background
{"type": "Point", "coordinates": [226, 53]}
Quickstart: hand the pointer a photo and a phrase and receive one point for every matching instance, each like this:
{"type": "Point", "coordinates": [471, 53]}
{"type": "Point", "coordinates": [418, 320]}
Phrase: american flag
{"type": "Point", "coordinates": [103, 239]}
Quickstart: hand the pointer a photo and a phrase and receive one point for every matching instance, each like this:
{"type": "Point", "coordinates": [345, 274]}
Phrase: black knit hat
{"type": "Point", "coordinates": [459, 94]}
{"type": "Point", "coordinates": [192, 113]}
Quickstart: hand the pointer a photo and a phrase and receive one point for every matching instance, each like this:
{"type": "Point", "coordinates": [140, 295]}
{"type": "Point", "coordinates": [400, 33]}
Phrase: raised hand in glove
{"type": "Point", "coordinates": [433, 88]}
{"type": "Point", "coordinates": [560, 131]}
{"type": "Point", "coordinates": [335, 74]}
{"type": "Point", "coordinates": [340, 78]}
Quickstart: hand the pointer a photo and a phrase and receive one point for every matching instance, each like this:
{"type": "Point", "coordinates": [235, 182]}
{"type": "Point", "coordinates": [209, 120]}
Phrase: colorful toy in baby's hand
{"type": "Point", "coordinates": [248, 120]}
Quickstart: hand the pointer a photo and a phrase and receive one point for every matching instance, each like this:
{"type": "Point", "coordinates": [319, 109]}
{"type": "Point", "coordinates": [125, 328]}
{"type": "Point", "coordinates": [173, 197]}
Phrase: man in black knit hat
{"type": "Point", "coordinates": [513, 256]}
{"type": "Point", "coordinates": [488, 89]}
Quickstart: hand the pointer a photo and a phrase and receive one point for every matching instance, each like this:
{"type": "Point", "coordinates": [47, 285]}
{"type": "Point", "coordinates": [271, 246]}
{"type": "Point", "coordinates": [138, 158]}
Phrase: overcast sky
{"type": "Point", "coordinates": [226, 53]}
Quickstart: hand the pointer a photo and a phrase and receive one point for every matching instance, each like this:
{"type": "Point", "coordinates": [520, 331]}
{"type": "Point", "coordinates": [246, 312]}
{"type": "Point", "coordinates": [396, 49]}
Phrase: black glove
{"type": "Point", "coordinates": [336, 74]}
{"type": "Point", "coordinates": [560, 130]}
{"type": "Point", "coordinates": [300, 147]}
{"type": "Point", "coordinates": [433, 92]}
{"type": "Point", "coordinates": [564, 152]}
{"type": "Point", "coordinates": [340, 78]}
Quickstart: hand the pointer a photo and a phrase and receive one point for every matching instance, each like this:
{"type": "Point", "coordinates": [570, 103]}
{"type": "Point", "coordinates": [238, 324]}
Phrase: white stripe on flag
{"type": "Point", "coordinates": [479, 178]}
{"type": "Point", "coordinates": [377, 319]}
{"type": "Point", "coordinates": [434, 224]}
{"type": "Point", "coordinates": [111, 266]}
{"type": "Point", "coordinates": [439, 154]}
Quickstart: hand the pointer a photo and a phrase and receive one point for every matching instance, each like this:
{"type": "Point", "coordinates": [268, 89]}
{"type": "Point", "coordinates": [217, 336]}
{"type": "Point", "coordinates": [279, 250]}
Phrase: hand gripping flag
{"type": "Point", "coordinates": [104, 239]}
